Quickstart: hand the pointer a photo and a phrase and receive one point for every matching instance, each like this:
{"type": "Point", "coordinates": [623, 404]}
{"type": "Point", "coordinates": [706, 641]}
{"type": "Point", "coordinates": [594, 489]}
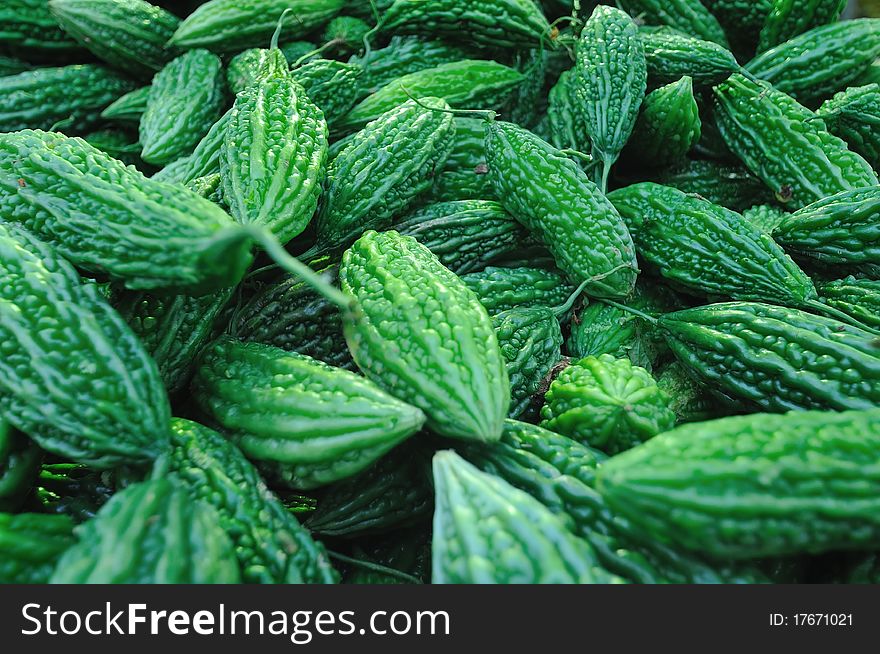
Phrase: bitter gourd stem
{"type": "Point", "coordinates": [296, 267]}
{"type": "Point", "coordinates": [837, 314]}
{"type": "Point", "coordinates": [606, 171]}
{"type": "Point", "coordinates": [375, 567]}
{"type": "Point", "coordinates": [273, 44]}
{"type": "Point", "coordinates": [569, 303]}
{"type": "Point", "coordinates": [488, 114]}
{"type": "Point", "coordinates": [641, 314]}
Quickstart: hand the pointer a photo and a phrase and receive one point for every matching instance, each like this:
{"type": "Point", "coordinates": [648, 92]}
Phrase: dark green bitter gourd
{"type": "Point", "coordinates": [688, 16]}
{"type": "Point", "coordinates": [128, 108]}
{"type": "Point", "coordinates": [671, 55]}
{"type": "Point", "coordinates": [344, 35]}
{"type": "Point", "coordinates": [422, 335]}
{"type": "Point", "coordinates": [205, 159]}
{"type": "Point", "coordinates": [19, 465]}
{"type": "Point", "coordinates": [753, 486]}
{"type": "Point", "coordinates": [789, 18]}
{"type": "Point", "coordinates": [405, 555]}
{"type": "Point", "coordinates": [781, 142]}
{"type": "Point", "coordinates": [270, 544]}
{"type": "Point", "coordinates": [464, 174]}
{"type": "Point", "coordinates": [857, 297]}
{"type": "Point", "coordinates": [765, 217]}
{"type": "Point", "coordinates": [109, 219]}
{"type": "Point", "coordinates": [30, 546]}
{"type": "Point", "coordinates": [249, 67]}
{"type": "Point", "coordinates": [186, 99]}
{"type": "Point", "coordinates": [502, 289]}
{"type": "Point", "coordinates": [568, 127]}
{"type": "Point", "coordinates": [71, 96]}
{"type": "Point", "coordinates": [727, 184]}
{"type": "Point", "coordinates": [741, 20]}
{"type": "Point", "coordinates": [29, 30]}
{"type": "Point", "coordinates": [307, 424]}
{"type": "Point", "coordinates": [668, 125]}
{"type": "Point", "coordinates": [581, 228]}
{"type": "Point", "coordinates": [151, 533]}
{"type": "Point", "coordinates": [128, 34]}
{"type": "Point", "coordinates": [689, 400]}
{"type": "Point", "coordinates": [120, 144]}
{"type": "Point", "coordinates": [486, 531]}
{"type": "Point", "coordinates": [331, 85]}
{"type": "Point", "coordinates": [99, 398]}
{"type": "Point", "coordinates": [13, 66]}
{"type": "Point", "coordinates": [854, 115]}
{"type": "Point", "coordinates": [75, 490]}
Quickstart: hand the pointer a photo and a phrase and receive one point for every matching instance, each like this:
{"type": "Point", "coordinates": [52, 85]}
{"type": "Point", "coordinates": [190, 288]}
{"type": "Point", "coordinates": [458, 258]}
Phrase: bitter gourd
{"type": "Point", "coordinates": [671, 55]}
{"type": "Point", "coordinates": [249, 67]}
{"type": "Point", "coordinates": [128, 108]}
{"type": "Point", "coordinates": [568, 127]}
{"type": "Point", "coordinates": [688, 16]}
{"type": "Point", "coordinates": [270, 544]}
{"type": "Point", "coordinates": [729, 185]}
{"type": "Point", "coordinates": [689, 400]}
{"type": "Point", "coordinates": [752, 486]}
{"type": "Point", "coordinates": [859, 298]}
{"type": "Point", "coordinates": [487, 531]}
{"type": "Point", "coordinates": [581, 228]}
{"type": "Point", "coordinates": [789, 18]}
{"type": "Point", "coordinates": [44, 97]}
{"type": "Point", "coordinates": [332, 85]}
{"type": "Point", "coordinates": [28, 29]}
{"type": "Point", "coordinates": [765, 217]}
{"type": "Point", "coordinates": [741, 20]}
{"type": "Point", "coordinates": [98, 399]}
{"type": "Point", "coordinates": [108, 218]}
{"type": "Point", "coordinates": [75, 490]}
{"type": "Point", "coordinates": [119, 144]}
{"type": "Point", "coordinates": [421, 334]}
{"type": "Point", "coordinates": [150, 533]}
{"type": "Point", "coordinates": [186, 98]}
{"type": "Point", "coordinates": [668, 125]}
{"type": "Point", "coordinates": [128, 34]}
{"type": "Point", "coordinates": [501, 289]}
{"type": "Point", "coordinates": [204, 160]}
{"type": "Point", "coordinates": [853, 115]}
{"type": "Point", "coordinates": [30, 546]}
{"type": "Point", "coordinates": [12, 66]}
{"type": "Point", "coordinates": [781, 142]}
{"type": "Point", "coordinates": [306, 423]}
{"type": "Point", "coordinates": [464, 174]}
{"type": "Point", "coordinates": [19, 465]}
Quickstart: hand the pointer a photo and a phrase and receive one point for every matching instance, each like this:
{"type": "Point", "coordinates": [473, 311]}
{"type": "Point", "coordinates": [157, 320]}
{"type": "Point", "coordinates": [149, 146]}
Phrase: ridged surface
{"type": "Point", "coordinates": [271, 546]}
{"type": "Point", "coordinates": [568, 127]}
{"type": "Point", "coordinates": [493, 23]}
{"type": "Point", "coordinates": [76, 95]}
{"type": "Point", "coordinates": [150, 533]}
{"type": "Point", "coordinates": [127, 34]}
{"type": "Point", "coordinates": [467, 84]}
{"type": "Point", "coordinates": [30, 545]}
{"type": "Point", "coordinates": [422, 335]}
{"type": "Point", "coordinates": [709, 249]}
{"type": "Point", "coordinates": [466, 235]}
{"type": "Point", "coordinates": [741, 19]}
{"type": "Point", "coordinates": [13, 66]}
{"type": "Point", "coordinates": [581, 228]}
{"type": "Point", "coordinates": [73, 376]}
{"type": "Point", "coordinates": [765, 217]}
{"type": "Point", "coordinates": [383, 170]}
{"type": "Point", "coordinates": [822, 61]}
{"type": "Point", "coordinates": [842, 229]}
{"type": "Point", "coordinates": [332, 85]}
{"type": "Point", "coordinates": [688, 399]}
{"type": "Point", "coordinates": [27, 27]}
{"type": "Point", "coordinates": [753, 486]}
{"type": "Point", "coordinates": [233, 25]}
{"type": "Point", "coordinates": [688, 16]}
{"type": "Point", "coordinates": [730, 185]}
{"type": "Point", "coordinates": [308, 423]}
{"type": "Point", "coordinates": [860, 298]}
{"type": "Point", "coordinates": [19, 465]}
{"type": "Point", "coordinates": [609, 79]}
{"type": "Point", "coordinates": [185, 100]}
{"type": "Point", "coordinates": [671, 56]}
{"type": "Point", "coordinates": [501, 289]}
{"type": "Point", "coordinates": [668, 125]}
{"type": "Point", "coordinates": [205, 159]}
{"type": "Point", "coordinates": [272, 159]}
{"type": "Point", "coordinates": [606, 403]}
{"type": "Point", "coordinates": [789, 18]}
{"type": "Point", "coordinates": [488, 532]}
{"type": "Point", "coordinates": [853, 115]}
{"type": "Point", "coordinates": [780, 141]}
{"type": "Point", "coordinates": [464, 175]}
{"type": "Point", "coordinates": [109, 218]}
{"type": "Point", "coordinates": [129, 107]}
{"type": "Point", "coordinates": [247, 68]}
{"type": "Point", "coordinates": [776, 358]}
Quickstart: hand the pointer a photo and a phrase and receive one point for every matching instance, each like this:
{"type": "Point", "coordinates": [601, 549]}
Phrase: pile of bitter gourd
{"type": "Point", "coordinates": [449, 291]}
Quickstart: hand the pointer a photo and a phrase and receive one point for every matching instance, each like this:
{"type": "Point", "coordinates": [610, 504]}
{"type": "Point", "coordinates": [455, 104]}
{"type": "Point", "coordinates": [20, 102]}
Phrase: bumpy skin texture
{"type": "Point", "coordinates": [463, 84]}
{"type": "Point", "coordinates": [741, 20]}
{"type": "Point", "coordinates": [392, 493]}
{"type": "Point", "coordinates": [185, 100]}
{"type": "Point", "coordinates": [501, 289]}
{"type": "Point", "coordinates": [173, 329]}
{"type": "Point", "coordinates": [780, 141]}
{"type": "Point", "coordinates": [560, 472]}
{"type": "Point", "coordinates": [205, 159]}
{"type": "Point", "coordinates": [688, 16]}
{"type": "Point", "coordinates": [128, 108]}
{"type": "Point", "coordinates": [568, 127]}
{"type": "Point", "coordinates": [466, 235]}
{"type": "Point", "coordinates": [19, 465]}
{"type": "Point", "coordinates": [249, 67]}
{"type": "Point", "coordinates": [119, 144]}
{"type": "Point", "coordinates": [28, 28]}
{"type": "Point", "coordinates": [12, 66]}
{"type": "Point", "coordinates": [689, 400]}
{"type": "Point", "coordinates": [729, 185]}
{"type": "Point", "coordinates": [853, 115]}
{"type": "Point", "coordinates": [757, 485]}
{"type": "Point", "coordinates": [383, 171]}
{"type": "Point", "coordinates": [668, 125]}
{"type": "Point", "coordinates": [789, 18]}
{"type": "Point", "coordinates": [289, 314]}
{"type": "Point", "coordinates": [860, 298]}
{"type": "Point", "coordinates": [42, 97]}
{"type": "Point", "coordinates": [233, 25]}
{"type": "Point", "coordinates": [270, 544]}
{"type": "Point", "coordinates": [765, 217]}
{"type": "Point", "coordinates": [30, 546]}
{"type": "Point", "coordinates": [308, 423]}
{"type": "Point", "coordinates": [839, 230]}
{"type": "Point", "coordinates": [821, 61]}
{"type": "Point", "coordinates": [778, 359]}
{"type": "Point", "coordinates": [272, 159]}
{"type": "Point", "coordinates": [606, 403]}
{"type": "Point", "coordinates": [488, 532]}
{"type": "Point", "coordinates": [581, 228]}
{"type": "Point", "coordinates": [128, 34]}
{"type": "Point", "coordinates": [151, 533]}
{"type": "Point", "coordinates": [422, 335]}
{"type": "Point", "coordinates": [464, 175]}
{"type": "Point", "coordinates": [110, 219]}
{"type": "Point", "coordinates": [670, 56]}
{"type": "Point", "coordinates": [531, 343]}
{"type": "Point", "coordinates": [73, 375]}
{"type": "Point", "coordinates": [492, 23]}
{"type": "Point", "coordinates": [609, 80]}
{"type": "Point", "coordinates": [708, 248]}
{"type": "Point", "coordinates": [332, 85]}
